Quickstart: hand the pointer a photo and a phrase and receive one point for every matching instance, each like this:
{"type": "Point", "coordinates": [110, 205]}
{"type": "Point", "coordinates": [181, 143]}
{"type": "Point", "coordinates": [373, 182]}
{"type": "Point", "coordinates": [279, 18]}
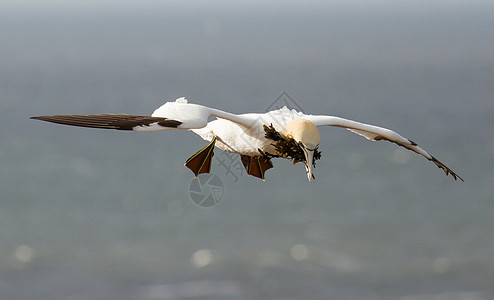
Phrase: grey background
{"type": "Point", "coordinates": [95, 214]}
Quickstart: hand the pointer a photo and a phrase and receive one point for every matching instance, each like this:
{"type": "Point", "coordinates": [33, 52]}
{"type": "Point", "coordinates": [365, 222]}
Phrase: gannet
{"type": "Point", "coordinates": [256, 137]}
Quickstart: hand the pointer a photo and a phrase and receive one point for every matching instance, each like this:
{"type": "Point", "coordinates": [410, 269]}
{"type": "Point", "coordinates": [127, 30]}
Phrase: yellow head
{"type": "Point", "coordinates": [306, 134]}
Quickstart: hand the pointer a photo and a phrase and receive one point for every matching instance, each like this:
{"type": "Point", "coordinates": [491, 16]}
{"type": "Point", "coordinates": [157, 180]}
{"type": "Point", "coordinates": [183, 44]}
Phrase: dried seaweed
{"type": "Point", "coordinates": [287, 147]}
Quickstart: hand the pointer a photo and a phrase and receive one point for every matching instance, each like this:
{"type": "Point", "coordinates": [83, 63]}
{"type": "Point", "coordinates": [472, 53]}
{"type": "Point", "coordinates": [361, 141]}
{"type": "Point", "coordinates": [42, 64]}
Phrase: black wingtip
{"type": "Point", "coordinates": [446, 170]}
{"type": "Point", "coordinates": [110, 121]}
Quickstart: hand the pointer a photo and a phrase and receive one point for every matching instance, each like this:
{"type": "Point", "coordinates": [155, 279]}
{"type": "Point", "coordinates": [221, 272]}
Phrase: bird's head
{"type": "Point", "coordinates": [306, 134]}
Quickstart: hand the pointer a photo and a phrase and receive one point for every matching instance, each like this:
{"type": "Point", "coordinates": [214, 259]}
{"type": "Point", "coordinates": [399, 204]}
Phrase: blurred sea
{"type": "Point", "coordinates": [96, 214]}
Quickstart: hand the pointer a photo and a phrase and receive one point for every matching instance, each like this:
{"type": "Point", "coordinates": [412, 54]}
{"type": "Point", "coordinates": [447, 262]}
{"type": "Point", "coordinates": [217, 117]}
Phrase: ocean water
{"type": "Point", "coordinates": [96, 214]}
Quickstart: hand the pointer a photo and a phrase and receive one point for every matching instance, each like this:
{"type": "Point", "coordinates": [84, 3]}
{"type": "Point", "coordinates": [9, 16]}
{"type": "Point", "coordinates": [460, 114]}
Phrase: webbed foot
{"type": "Point", "coordinates": [200, 162]}
{"type": "Point", "coordinates": [256, 165]}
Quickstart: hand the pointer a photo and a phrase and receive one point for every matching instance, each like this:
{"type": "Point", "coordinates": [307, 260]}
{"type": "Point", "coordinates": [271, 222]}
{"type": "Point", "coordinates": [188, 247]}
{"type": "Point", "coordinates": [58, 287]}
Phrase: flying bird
{"type": "Point", "coordinates": [256, 137]}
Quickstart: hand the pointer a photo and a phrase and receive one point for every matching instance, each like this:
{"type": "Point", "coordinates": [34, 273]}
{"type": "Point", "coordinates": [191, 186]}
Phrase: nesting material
{"type": "Point", "coordinates": [287, 147]}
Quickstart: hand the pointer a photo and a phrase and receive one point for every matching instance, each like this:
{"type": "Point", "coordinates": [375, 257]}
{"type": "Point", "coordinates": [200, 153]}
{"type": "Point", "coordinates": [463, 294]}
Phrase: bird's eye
{"type": "Point", "coordinates": [313, 149]}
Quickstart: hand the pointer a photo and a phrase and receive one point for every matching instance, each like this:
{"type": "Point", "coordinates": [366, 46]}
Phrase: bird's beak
{"type": "Point", "coordinates": [309, 157]}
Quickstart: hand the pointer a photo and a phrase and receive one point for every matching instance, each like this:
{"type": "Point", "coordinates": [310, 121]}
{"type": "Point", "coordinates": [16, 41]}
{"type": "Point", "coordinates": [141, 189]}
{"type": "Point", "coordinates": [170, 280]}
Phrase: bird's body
{"type": "Point", "coordinates": [235, 138]}
{"type": "Point", "coordinates": [256, 137]}
{"type": "Point", "coordinates": [247, 140]}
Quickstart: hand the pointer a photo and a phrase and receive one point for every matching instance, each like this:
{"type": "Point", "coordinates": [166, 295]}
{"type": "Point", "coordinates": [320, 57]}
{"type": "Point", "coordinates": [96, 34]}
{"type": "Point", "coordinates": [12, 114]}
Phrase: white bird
{"type": "Point", "coordinates": [257, 137]}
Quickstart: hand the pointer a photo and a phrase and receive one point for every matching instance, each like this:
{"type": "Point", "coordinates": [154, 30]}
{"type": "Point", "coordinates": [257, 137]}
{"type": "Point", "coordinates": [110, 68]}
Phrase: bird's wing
{"type": "Point", "coordinates": [194, 116]}
{"type": "Point", "coordinates": [171, 115]}
{"type": "Point", "coordinates": [375, 133]}
{"type": "Point", "coordinates": [113, 121]}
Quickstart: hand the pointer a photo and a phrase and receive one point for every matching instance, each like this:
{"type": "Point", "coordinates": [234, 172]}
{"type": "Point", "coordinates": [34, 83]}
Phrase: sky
{"type": "Point", "coordinates": [422, 68]}
{"type": "Point", "coordinates": [342, 4]}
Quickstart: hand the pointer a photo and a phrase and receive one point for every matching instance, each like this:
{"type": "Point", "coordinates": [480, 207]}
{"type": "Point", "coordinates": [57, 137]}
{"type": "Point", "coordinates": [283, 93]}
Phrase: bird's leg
{"type": "Point", "coordinates": [266, 154]}
{"type": "Point", "coordinates": [200, 162]}
{"type": "Point", "coordinates": [256, 165]}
